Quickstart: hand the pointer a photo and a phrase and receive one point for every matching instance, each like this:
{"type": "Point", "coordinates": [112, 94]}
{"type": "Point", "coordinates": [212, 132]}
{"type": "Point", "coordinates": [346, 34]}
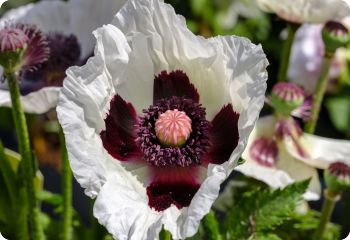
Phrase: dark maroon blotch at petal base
{"type": "Point", "coordinates": [174, 84]}
{"type": "Point", "coordinates": [119, 136]}
{"type": "Point", "coordinates": [162, 195]}
{"type": "Point", "coordinates": [224, 135]}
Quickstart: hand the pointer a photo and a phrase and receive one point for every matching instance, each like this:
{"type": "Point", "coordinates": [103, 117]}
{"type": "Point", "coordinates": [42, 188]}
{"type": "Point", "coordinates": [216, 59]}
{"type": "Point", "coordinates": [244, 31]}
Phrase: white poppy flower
{"type": "Point", "coordinates": [68, 26]}
{"type": "Point", "coordinates": [307, 56]}
{"type": "Point", "coordinates": [157, 119]}
{"type": "Point", "coordinates": [307, 11]}
{"type": "Point", "coordinates": [283, 162]}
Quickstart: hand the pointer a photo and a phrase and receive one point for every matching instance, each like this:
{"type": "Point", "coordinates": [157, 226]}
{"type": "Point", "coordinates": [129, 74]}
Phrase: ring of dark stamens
{"type": "Point", "coordinates": [191, 152]}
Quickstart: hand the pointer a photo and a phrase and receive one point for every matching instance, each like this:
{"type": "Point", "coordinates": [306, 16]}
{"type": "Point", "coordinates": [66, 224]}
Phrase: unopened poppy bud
{"type": "Point", "coordinates": [287, 97]}
{"type": "Point", "coordinates": [337, 177]}
{"type": "Point", "coordinates": [335, 35]}
{"type": "Point", "coordinates": [13, 43]}
{"type": "Point", "coordinates": [22, 46]}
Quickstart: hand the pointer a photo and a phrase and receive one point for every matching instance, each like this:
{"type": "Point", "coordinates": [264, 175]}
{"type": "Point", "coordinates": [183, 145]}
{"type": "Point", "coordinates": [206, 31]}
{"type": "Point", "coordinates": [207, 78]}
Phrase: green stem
{"type": "Point", "coordinates": [287, 48]}
{"type": "Point", "coordinates": [18, 206]}
{"type": "Point", "coordinates": [66, 191]}
{"type": "Point", "coordinates": [327, 209]}
{"type": "Point", "coordinates": [310, 126]}
{"type": "Point", "coordinates": [26, 154]}
{"type": "Point", "coordinates": [165, 235]}
{"type": "Point", "coordinates": [211, 226]}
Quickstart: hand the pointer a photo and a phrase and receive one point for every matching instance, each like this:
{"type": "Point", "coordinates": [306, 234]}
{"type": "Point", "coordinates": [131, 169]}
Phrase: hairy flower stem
{"type": "Point", "coordinates": [327, 209]}
{"type": "Point", "coordinates": [165, 235]}
{"type": "Point", "coordinates": [287, 48]}
{"type": "Point", "coordinates": [319, 94]}
{"type": "Point", "coordinates": [211, 227]}
{"type": "Point", "coordinates": [28, 172]}
{"type": "Point", "coordinates": [66, 191]}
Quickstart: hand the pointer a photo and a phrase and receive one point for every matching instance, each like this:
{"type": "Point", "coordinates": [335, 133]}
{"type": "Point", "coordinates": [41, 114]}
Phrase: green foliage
{"type": "Point", "coordinates": [258, 211]}
{"type": "Point", "coordinates": [339, 112]}
{"type": "Point", "coordinates": [302, 226]}
{"type": "Point", "coordinates": [211, 226]}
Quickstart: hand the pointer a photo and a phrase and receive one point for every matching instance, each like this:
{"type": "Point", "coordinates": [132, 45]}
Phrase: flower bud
{"type": "Point", "coordinates": [337, 177]}
{"type": "Point", "coordinates": [264, 151]}
{"type": "Point", "coordinates": [13, 43]}
{"type": "Point", "coordinates": [173, 128]}
{"type": "Point", "coordinates": [287, 97]}
{"type": "Point", "coordinates": [335, 35]}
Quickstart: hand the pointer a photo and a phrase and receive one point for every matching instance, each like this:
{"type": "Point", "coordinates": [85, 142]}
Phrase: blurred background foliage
{"type": "Point", "coordinates": [207, 18]}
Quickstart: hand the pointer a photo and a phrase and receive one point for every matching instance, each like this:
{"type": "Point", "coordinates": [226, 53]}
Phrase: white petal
{"type": "Point", "coordinates": [307, 11]}
{"type": "Point", "coordinates": [322, 151]}
{"type": "Point", "coordinates": [275, 178]}
{"type": "Point", "coordinates": [171, 46]}
{"type": "Point", "coordinates": [1, 237]}
{"type": "Point", "coordinates": [287, 170]}
{"type": "Point", "coordinates": [84, 100]}
{"type": "Point", "coordinates": [125, 212]}
{"type": "Point", "coordinates": [87, 15]}
{"type": "Point", "coordinates": [50, 16]}
{"type": "Point", "coordinates": [299, 171]}
{"type": "Point", "coordinates": [36, 102]}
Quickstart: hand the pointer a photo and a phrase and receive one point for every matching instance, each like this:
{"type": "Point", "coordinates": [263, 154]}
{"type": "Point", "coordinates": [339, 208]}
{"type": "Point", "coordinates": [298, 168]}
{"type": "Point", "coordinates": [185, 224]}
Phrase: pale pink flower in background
{"type": "Point", "coordinates": [307, 56]}
{"type": "Point", "coordinates": [307, 11]}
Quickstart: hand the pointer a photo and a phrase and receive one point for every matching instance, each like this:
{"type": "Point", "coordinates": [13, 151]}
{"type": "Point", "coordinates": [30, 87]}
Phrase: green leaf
{"type": "Point", "coordinates": [339, 112]}
{"type": "Point", "coordinates": [278, 206]}
{"type": "Point", "coordinates": [302, 226]}
{"type": "Point", "coordinates": [50, 198]}
{"type": "Point", "coordinates": [8, 172]}
{"type": "Point", "coordinates": [211, 226]}
{"type": "Point", "coordinates": [260, 210]}
{"type": "Point", "coordinates": [268, 236]}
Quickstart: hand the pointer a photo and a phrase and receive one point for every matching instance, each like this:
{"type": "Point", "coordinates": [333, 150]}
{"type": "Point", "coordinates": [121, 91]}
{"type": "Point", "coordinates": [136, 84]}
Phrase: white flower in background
{"type": "Point", "coordinates": [307, 56]}
{"type": "Point", "coordinates": [68, 27]}
{"type": "Point", "coordinates": [347, 238]}
{"type": "Point", "coordinates": [121, 114]}
{"type": "Point", "coordinates": [238, 8]}
{"type": "Point", "coordinates": [279, 162]}
{"type": "Point", "coordinates": [307, 11]}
